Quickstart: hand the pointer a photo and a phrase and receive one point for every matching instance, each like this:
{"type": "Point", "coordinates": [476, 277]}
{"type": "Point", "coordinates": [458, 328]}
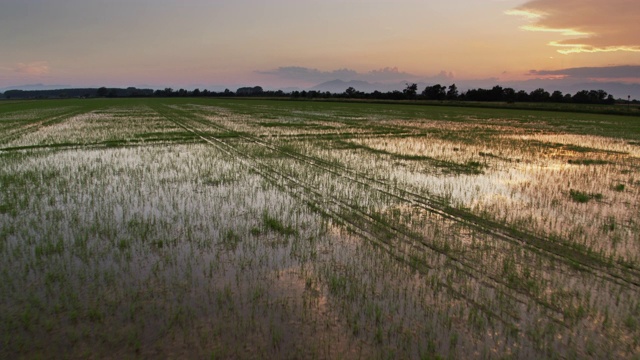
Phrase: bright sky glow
{"type": "Point", "coordinates": [281, 43]}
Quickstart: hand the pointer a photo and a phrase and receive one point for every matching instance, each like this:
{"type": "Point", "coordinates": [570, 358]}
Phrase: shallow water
{"type": "Point", "coordinates": [349, 239]}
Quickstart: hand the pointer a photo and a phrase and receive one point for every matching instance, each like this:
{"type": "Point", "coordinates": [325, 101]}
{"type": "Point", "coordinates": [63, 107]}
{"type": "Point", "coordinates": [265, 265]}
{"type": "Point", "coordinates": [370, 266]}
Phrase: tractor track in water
{"type": "Point", "coordinates": [363, 222]}
{"type": "Point", "coordinates": [530, 242]}
{"type": "Point", "coordinates": [615, 272]}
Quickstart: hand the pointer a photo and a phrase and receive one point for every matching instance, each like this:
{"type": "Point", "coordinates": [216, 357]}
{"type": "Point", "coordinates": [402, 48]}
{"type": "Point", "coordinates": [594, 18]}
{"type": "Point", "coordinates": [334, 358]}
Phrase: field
{"type": "Point", "coordinates": [199, 228]}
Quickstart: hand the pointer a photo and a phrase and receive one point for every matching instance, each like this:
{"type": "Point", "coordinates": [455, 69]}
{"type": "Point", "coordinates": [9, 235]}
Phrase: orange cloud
{"type": "Point", "coordinates": [37, 68]}
{"type": "Point", "coordinates": [591, 25]}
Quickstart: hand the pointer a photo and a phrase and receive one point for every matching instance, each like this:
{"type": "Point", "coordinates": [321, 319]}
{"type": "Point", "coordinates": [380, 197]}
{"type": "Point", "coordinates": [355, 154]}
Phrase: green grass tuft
{"type": "Point", "coordinates": [584, 197]}
{"type": "Point", "coordinates": [273, 224]}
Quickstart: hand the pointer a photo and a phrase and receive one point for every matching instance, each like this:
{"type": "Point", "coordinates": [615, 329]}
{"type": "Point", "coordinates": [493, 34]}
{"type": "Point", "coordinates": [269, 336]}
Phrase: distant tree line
{"type": "Point", "coordinates": [411, 92]}
{"type": "Point", "coordinates": [496, 94]}
{"type": "Point", "coordinates": [241, 92]}
{"type": "Point", "coordinates": [77, 93]}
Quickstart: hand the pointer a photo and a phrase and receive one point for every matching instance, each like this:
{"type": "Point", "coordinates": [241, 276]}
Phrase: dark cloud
{"type": "Point", "coordinates": [607, 72]}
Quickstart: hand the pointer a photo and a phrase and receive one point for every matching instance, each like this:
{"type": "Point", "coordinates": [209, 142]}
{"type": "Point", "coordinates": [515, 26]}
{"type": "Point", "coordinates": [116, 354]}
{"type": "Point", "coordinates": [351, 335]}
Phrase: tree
{"type": "Point", "coordinates": [610, 100]}
{"type": "Point", "coordinates": [539, 95]}
{"type": "Point", "coordinates": [452, 93]}
{"type": "Point", "coordinates": [396, 95]}
{"type": "Point", "coordinates": [102, 92]}
{"type": "Point", "coordinates": [350, 92]}
{"type": "Point", "coordinates": [601, 96]}
{"type": "Point", "coordinates": [435, 92]}
{"type": "Point", "coordinates": [557, 96]}
{"type": "Point", "coordinates": [509, 95]}
{"type": "Point", "coordinates": [250, 91]}
{"type": "Point", "coordinates": [411, 90]}
{"type": "Point", "coordinates": [496, 93]}
{"type": "Point", "coordinates": [522, 96]}
{"type": "Point", "coordinates": [581, 97]}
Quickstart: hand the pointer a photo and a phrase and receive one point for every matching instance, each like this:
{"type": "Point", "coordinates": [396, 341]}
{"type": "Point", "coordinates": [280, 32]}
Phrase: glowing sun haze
{"type": "Point", "coordinates": [281, 43]}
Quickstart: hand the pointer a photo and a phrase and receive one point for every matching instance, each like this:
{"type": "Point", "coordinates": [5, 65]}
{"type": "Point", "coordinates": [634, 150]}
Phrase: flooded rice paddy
{"type": "Point", "coordinates": [262, 229]}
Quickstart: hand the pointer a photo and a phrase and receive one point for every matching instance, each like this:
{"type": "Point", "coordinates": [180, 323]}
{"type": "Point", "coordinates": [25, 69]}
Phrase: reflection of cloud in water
{"type": "Point", "coordinates": [320, 325]}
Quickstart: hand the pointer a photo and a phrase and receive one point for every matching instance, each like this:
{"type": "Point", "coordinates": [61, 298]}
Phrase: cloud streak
{"type": "Point", "coordinates": [37, 68]}
{"type": "Point", "coordinates": [590, 25]}
{"type": "Point", "coordinates": [607, 72]}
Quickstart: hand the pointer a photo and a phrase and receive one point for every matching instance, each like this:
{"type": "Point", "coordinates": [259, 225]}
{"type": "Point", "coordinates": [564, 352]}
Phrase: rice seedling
{"type": "Point", "coordinates": [243, 229]}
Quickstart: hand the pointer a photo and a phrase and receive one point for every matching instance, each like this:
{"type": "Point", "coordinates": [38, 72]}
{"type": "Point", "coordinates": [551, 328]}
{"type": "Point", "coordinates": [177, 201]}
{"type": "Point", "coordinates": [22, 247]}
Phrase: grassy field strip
{"type": "Point", "coordinates": [338, 118]}
{"type": "Point", "coordinates": [95, 128]}
{"type": "Point", "coordinates": [72, 146]}
{"type": "Point", "coordinates": [36, 124]}
{"type": "Point", "coordinates": [554, 249]}
{"type": "Point", "coordinates": [365, 222]}
{"type": "Point", "coordinates": [348, 127]}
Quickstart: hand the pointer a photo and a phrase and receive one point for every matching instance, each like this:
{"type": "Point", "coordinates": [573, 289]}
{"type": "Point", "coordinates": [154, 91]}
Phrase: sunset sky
{"type": "Point", "coordinates": [298, 43]}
